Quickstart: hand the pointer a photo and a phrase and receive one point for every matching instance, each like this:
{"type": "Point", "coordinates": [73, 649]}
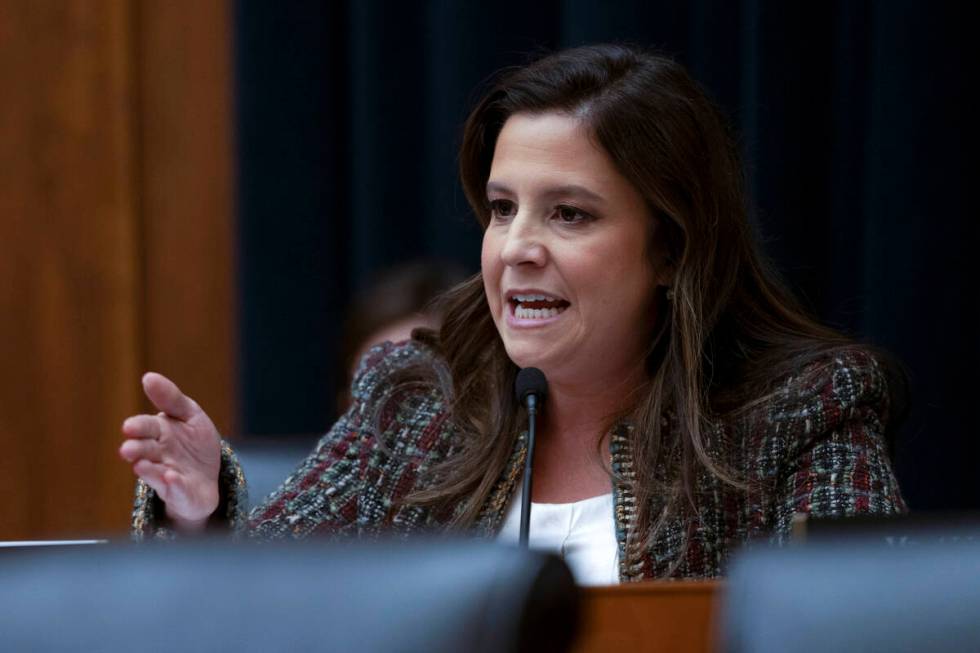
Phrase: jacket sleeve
{"type": "Point", "coordinates": [832, 426]}
{"type": "Point", "coordinates": [358, 471]}
{"type": "Point", "coordinates": [322, 493]}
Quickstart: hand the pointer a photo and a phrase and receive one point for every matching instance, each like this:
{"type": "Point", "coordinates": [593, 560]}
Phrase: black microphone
{"type": "Point", "coordinates": [531, 388]}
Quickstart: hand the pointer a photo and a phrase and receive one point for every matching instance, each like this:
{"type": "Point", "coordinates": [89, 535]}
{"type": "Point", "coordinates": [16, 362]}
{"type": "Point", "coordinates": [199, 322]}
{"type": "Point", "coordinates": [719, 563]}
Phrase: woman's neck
{"type": "Point", "coordinates": [571, 460]}
{"type": "Point", "coordinates": [576, 411]}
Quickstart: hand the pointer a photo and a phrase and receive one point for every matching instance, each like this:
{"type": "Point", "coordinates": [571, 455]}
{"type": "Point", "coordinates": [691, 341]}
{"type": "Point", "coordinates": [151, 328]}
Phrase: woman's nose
{"type": "Point", "coordinates": [524, 244]}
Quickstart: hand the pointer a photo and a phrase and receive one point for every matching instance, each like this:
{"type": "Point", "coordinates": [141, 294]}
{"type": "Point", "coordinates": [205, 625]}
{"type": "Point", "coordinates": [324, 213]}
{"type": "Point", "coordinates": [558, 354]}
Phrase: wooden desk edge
{"type": "Point", "coordinates": [654, 587]}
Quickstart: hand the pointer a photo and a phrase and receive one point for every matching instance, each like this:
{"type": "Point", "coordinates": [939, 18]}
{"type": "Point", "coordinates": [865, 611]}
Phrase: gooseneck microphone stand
{"type": "Point", "coordinates": [531, 388]}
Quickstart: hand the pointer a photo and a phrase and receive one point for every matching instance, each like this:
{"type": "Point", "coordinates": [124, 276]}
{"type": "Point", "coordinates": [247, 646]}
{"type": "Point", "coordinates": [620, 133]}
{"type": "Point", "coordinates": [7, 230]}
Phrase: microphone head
{"type": "Point", "coordinates": [531, 381]}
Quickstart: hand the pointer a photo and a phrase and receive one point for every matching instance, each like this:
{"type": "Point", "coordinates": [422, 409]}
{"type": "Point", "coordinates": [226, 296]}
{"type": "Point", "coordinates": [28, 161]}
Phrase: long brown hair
{"type": "Point", "coordinates": [730, 329]}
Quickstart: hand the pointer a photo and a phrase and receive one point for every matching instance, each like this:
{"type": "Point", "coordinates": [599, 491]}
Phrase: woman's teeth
{"type": "Point", "coordinates": [537, 307]}
{"type": "Point", "coordinates": [522, 313]}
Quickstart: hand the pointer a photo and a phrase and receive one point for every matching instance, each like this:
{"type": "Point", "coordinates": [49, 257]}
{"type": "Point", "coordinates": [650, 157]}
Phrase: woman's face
{"type": "Point", "coordinates": [565, 263]}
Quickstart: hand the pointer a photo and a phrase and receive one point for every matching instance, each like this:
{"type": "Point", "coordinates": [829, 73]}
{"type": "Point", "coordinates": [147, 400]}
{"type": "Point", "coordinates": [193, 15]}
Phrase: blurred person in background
{"type": "Point", "coordinates": [397, 301]}
{"type": "Point", "coordinates": [692, 404]}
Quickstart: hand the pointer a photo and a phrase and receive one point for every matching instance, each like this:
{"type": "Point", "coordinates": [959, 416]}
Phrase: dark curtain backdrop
{"type": "Point", "coordinates": [853, 119]}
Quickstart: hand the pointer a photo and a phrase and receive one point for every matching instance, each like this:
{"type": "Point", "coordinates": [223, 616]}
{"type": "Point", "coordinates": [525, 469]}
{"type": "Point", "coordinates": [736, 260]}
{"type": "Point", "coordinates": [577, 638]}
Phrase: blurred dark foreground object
{"type": "Point", "coordinates": [907, 590]}
{"type": "Point", "coordinates": [243, 597]}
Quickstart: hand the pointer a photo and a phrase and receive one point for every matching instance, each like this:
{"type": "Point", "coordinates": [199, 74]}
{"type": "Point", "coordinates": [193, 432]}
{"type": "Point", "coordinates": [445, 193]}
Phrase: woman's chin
{"type": "Point", "coordinates": [523, 356]}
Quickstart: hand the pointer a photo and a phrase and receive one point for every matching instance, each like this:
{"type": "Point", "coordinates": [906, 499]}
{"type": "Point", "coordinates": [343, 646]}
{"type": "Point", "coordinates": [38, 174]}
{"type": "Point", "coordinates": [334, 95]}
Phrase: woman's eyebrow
{"type": "Point", "coordinates": [574, 190]}
{"type": "Point", "coordinates": [565, 190]}
{"type": "Point", "coordinates": [496, 186]}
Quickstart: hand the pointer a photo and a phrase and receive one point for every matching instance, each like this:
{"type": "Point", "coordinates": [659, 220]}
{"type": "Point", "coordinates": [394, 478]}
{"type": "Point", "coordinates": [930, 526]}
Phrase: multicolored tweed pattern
{"type": "Point", "coordinates": [815, 446]}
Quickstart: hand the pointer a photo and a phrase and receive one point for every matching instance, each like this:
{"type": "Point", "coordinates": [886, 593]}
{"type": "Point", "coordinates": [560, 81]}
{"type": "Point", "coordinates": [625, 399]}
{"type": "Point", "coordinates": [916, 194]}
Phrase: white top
{"type": "Point", "coordinates": [583, 533]}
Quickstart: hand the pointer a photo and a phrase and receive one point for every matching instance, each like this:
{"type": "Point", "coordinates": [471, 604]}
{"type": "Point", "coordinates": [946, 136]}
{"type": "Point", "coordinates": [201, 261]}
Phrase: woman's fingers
{"type": "Point", "coordinates": [154, 474]}
{"type": "Point", "coordinates": [142, 426]}
{"type": "Point", "coordinates": [184, 503]}
{"type": "Point", "coordinates": [133, 450]}
{"type": "Point", "coordinates": [166, 396]}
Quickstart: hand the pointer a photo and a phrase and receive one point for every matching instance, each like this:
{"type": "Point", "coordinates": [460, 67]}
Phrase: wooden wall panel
{"type": "Point", "coordinates": [69, 328]}
{"type": "Point", "coordinates": [80, 222]}
{"type": "Point", "coordinates": [186, 135]}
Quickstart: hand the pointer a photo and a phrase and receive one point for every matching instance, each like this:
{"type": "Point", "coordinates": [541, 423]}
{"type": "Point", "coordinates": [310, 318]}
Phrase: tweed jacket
{"type": "Point", "coordinates": [814, 446]}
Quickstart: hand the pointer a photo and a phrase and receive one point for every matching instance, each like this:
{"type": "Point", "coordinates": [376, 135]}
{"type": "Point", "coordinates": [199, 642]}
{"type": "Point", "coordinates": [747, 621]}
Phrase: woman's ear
{"type": "Point", "coordinates": [661, 250]}
{"type": "Point", "coordinates": [666, 272]}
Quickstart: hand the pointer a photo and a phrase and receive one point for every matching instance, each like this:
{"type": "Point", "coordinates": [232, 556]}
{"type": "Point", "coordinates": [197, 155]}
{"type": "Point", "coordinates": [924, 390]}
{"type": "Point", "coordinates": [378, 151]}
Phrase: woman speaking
{"type": "Point", "coordinates": [692, 405]}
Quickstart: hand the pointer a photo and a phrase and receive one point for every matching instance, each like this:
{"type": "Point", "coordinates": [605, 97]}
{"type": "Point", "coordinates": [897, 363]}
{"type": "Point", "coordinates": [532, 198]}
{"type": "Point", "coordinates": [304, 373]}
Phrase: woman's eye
{"type": "Point", "coordinates": [571, 215]}
{"type": "Point", "coordinates": [502, 208]}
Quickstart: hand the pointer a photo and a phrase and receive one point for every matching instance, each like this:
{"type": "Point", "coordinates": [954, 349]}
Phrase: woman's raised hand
{"type": "Point", "coordinates": [177, 452]}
